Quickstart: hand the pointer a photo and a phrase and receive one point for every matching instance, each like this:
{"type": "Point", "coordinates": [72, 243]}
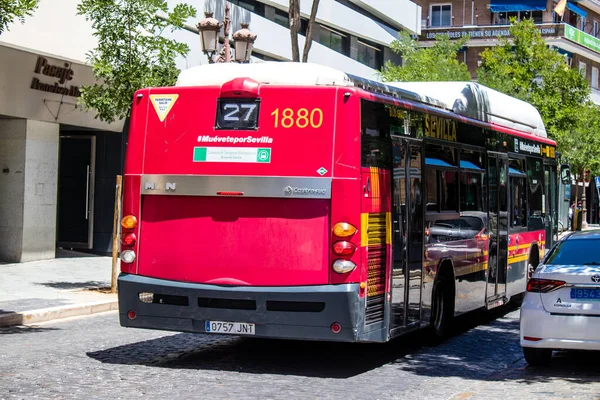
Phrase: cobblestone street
{"type": "Point", "coordinates": [93, 357]}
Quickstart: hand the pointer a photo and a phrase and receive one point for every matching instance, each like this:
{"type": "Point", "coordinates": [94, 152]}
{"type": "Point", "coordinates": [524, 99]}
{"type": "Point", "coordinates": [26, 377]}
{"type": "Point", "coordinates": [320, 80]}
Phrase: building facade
{"type": "Point", "coordinates": [351, 35]}
{"type": "Point", "coordinates": [59, 163]}
{"type": "Point", "coordinates": [576, 34]}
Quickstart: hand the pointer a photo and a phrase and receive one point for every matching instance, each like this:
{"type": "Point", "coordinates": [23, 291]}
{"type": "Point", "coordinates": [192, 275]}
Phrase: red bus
{"type": "Point", "coordinates": [289, 200]}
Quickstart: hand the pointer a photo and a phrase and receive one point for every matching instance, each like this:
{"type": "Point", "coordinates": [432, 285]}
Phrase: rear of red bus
{"type": "Point", "coordinates": [228, 214]}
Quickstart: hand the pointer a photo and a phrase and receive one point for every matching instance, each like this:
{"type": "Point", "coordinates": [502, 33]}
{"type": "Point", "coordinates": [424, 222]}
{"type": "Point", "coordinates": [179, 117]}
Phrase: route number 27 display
{"type": "Point", "coordinates": [237, 114]}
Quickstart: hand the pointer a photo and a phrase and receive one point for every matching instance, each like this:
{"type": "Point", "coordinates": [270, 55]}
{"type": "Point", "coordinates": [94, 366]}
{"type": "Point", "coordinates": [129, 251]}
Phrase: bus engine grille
{"type": "Point", "coordinates": [376, 257]}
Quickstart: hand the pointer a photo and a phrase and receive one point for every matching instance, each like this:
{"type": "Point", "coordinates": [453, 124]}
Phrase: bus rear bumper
{"type": "Point", "coordinates": [291, 312]}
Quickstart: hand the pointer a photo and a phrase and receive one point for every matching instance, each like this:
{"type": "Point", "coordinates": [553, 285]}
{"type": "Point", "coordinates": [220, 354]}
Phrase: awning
{"type": "Point", "coordinates": [573, 7]}
{"type": "Point", "coordinates": [516, 172]}
{"type": "Point", "coordinates": [469, 165]}
{"type": "Point", "coordinates": [437, 163]}
{"type": "Point", "coordinates": [497, 6]}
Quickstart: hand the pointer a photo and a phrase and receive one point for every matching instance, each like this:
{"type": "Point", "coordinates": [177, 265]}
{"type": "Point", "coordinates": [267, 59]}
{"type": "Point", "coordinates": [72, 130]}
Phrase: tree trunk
{"type": "Point", "coordinates": [294, 16]}
{"type": "Point", "coordinates": [579, 176]}
{"type": "Point", "coordinates": [309, 30]}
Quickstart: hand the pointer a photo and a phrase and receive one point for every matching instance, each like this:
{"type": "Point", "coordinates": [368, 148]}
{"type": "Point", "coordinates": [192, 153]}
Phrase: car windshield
{"type": "Point", "coordinates": [472, 223]}
{"type": "Point", "coordinates": [575, 252]}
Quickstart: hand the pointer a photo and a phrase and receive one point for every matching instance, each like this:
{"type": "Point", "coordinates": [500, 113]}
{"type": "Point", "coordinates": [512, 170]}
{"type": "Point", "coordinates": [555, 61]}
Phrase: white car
{"type": "Point", "coordinates": [561, 309]}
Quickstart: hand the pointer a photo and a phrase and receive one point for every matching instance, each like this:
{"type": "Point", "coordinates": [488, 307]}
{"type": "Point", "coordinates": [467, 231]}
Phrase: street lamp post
{"type": "Point", "coordinates": [209, 29]}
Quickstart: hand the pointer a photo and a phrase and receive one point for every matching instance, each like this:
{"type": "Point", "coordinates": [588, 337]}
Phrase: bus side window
{"type": "Point", "coordinates": [535, 181]}
{"type": "Point", "coordinates": [518, 208]}
{"type": "Point", "coordinates": [375, 138]}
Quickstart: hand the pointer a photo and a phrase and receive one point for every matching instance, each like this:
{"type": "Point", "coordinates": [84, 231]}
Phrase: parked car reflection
{"type": "Point", "coordinates": [463, 240]}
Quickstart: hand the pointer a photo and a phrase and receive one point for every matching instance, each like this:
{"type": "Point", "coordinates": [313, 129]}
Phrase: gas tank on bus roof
{"type": "Point", "coordinates": [479, 102]}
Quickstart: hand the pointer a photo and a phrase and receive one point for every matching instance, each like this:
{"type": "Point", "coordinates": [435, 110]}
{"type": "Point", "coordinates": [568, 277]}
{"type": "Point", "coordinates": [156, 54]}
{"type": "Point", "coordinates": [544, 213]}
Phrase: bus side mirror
{"type": "Point", "coordinates": [565, 174]}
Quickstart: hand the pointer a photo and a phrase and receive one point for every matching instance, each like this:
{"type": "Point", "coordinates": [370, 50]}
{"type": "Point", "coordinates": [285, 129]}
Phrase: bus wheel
{"type": "Point", "coordinates": [443, 307]}
{"type": "Point", "coordinates": [534, 261]}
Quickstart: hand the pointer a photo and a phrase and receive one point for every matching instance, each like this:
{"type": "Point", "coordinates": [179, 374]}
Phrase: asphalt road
{"type": "Point", "coordinates": [93, 357]}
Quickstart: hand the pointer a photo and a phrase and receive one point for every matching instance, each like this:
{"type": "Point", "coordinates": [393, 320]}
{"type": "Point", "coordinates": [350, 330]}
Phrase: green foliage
{"type": "Point", "coordinates": [11, 9]}
{"type": "Point", "coordinates": [581, 143]}
{"type": "Point", "coordinates": [526, 68]}
{"type": "Point", "coordinates": [435, 63]}
{"type": "Point", "coordinates": [132, 52]}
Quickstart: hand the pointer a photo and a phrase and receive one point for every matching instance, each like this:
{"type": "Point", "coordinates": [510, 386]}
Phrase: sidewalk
{"type": "Point", "coordinates": [70, 285]}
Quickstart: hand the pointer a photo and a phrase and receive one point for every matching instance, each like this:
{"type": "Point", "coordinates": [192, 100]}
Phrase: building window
{"type": "Point", "coordinates": [368, 55]}
{"type": "Point", "coordinates": [264, 57]}
{"type": "Point", "coordinates": [333, 39]}
{"type": "Point", "coordinates": [441, 15]}
{"type": "Point", "coordinates": [582, 68]}
{"type": "Point", "coordinates": [581, 23]}
{"type": "Point", "coordinates": [595, 33]}
{"type": "Point", "coordinates": [250, 5]}
{"type": "Point", "coordinates": [503, 18]}
{"type": "Point", "coordinates": [282, 18]}
{"type": "Point", "coordinates": [595, 77]}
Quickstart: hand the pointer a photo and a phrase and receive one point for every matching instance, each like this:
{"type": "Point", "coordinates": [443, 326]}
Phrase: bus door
{"type": "Point", "coordinates": [550, 204]}
{"type": "Point", "coordinates": [498, 227]}
{"type": "Point", "coordinates": [407, 240]}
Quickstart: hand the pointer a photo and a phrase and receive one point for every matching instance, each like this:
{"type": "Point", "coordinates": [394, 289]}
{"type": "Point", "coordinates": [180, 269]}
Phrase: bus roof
{"type": "Point", "coordinates": [467, 99]}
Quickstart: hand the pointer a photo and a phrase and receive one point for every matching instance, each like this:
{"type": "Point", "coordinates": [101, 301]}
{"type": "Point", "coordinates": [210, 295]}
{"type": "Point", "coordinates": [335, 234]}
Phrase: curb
{"type": "Point", "coordinates": [54, 313]}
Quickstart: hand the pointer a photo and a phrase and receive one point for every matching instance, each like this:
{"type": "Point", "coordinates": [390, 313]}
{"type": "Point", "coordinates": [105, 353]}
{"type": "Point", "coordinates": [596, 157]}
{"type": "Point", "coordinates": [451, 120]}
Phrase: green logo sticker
{"type": "Point", "coordinates": [263, 155]}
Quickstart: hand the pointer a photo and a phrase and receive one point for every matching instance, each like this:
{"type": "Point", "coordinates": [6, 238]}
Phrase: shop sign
{"type": "Point", "coordinates": [582, 38]}
{"type": "Point", "coordinates": [485, 33]}
{"type": "Point", "coordinates": [61, 74]}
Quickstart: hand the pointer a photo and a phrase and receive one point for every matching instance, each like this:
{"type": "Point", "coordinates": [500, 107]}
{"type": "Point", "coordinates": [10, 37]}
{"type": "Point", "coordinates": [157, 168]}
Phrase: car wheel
{"type": "Point", "coordinates": [537, 357]}
{"type": "Point", "coordinates": [442, 313]}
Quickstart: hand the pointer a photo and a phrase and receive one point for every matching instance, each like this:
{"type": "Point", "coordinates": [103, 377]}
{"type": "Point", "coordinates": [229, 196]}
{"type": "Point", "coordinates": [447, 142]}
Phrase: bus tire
{"type": "Point", "coordinates": [442, 312]}
{"type": "Point", "coordinates": [534, 261]}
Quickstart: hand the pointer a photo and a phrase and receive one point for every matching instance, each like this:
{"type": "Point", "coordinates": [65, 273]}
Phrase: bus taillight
{"type": "Point", "coordinates": [344, 248]}
{"type": "Point", "coordinates": [343, 229]}
{"type": "Point", "coordinates": [481, 235]}
{"type": "Point", "coordinates": [127, 256]}
{"type": "Point", "coordinates": [129, 222]}
{"type": "Point", "coordinates": [128, 239]}
{"type": "Point", "coordinates": [343, 266]}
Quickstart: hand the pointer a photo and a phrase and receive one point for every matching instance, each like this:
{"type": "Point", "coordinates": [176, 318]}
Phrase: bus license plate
{"type": "Point", "coordinates": [585, 294]}
{"type": "Point", "coordinates": [232, 328]}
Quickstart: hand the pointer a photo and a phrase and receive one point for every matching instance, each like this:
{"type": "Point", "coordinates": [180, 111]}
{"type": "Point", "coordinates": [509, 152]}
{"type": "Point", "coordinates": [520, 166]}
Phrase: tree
{"type": "Point", "coordinates": [436, 63]}
{"type": "Point", "coordinates": [295, 24]}
{"type": "Point", "coordinates": [133, 51]}
{"type": "Point", "coordinates": [581, 142]}
{"type": "Point", "coordinates": [526, 68]}
{"type": "Point", "coordinates": [11, 9]}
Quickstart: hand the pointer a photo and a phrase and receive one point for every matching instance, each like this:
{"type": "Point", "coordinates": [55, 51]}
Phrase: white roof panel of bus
{"type": "Point", "coordinates": [272, 72]}
{"type": "Point", "coordinates": [464, 98]}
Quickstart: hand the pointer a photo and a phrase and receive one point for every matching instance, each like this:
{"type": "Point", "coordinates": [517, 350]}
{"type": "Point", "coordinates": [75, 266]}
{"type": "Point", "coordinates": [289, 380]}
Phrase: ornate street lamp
{"type": "Point", "coordinates": [244, 42]}
{"type": "Point", "coordinates": [209, 29]}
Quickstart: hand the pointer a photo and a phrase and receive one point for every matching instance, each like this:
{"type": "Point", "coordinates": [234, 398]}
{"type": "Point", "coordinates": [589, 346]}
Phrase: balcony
{"type": "Point", "coordinates": [560, 35]}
